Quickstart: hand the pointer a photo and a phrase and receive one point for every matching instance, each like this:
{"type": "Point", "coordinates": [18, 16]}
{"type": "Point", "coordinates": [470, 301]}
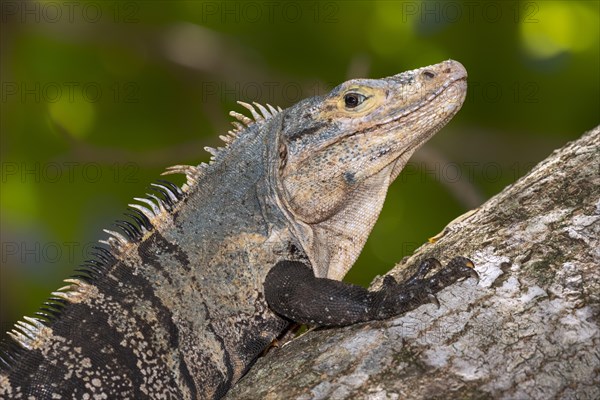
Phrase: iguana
{"type": "Point", "coordinates": [204, 277]}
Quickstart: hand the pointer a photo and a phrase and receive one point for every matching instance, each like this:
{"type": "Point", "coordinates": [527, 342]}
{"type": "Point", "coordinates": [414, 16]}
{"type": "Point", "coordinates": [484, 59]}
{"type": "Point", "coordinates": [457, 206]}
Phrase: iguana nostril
{"type": "Point", "coordinates": [428, 74]}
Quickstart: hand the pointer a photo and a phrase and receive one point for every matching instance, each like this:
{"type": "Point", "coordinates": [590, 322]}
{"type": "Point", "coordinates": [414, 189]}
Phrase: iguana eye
{"type": "Point", "coordinates": [353, 99]}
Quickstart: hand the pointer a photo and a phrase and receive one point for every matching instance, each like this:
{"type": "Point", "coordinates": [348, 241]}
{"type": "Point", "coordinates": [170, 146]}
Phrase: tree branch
{"type": "Point", "coordinates": [527, 329]}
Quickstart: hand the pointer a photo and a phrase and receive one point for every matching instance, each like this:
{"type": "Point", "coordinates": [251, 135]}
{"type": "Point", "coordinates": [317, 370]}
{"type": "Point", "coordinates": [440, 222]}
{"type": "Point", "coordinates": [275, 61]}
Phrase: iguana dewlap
{"type": "Point", "coordinates": [204, 277]}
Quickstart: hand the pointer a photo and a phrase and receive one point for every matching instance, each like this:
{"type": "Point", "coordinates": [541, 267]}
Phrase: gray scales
{"type": "Point", "coordinates": [205, 277]}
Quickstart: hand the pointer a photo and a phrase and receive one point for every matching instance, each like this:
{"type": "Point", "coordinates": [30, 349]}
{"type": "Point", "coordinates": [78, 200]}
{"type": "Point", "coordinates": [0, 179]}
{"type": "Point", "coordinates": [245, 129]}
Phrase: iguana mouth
{"type": "Point", "coordinates": [382, 125]}
{"type": "Point", "coordinates": [391, 123]}
{"type": "Point", "coordinates": [410, 146]}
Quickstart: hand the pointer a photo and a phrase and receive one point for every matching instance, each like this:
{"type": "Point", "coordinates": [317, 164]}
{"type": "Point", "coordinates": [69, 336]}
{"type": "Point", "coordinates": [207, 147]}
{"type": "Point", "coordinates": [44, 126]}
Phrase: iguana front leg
{"type": "Point", "coordinates": [292, 290]}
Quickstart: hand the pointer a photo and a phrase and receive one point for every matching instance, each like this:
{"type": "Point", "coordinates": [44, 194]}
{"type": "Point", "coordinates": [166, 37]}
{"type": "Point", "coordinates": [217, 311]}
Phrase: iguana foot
{"type": "Point", "coordinates": [396, 298]}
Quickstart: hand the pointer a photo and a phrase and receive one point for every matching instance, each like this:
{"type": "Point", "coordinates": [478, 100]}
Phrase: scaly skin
{"type": "Point", "coordinates": [192, 292]}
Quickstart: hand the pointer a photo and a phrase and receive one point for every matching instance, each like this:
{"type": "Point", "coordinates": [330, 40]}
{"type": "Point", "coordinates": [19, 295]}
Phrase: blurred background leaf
{"type": "Point", "coordinates": [99, 97]}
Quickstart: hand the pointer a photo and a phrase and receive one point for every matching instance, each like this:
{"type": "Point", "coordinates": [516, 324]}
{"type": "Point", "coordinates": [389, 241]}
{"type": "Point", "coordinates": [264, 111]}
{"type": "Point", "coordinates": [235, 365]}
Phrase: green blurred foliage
{"type": "Point", "coordinates": [99, 97]}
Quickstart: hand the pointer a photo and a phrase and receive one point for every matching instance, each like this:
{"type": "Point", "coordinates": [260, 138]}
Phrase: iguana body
{"type": "Point", "coordinates": [206, 277]}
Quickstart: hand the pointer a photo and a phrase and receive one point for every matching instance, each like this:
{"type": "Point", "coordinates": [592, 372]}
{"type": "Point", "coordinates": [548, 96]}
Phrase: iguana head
{"type": "Point", "coordinates": [338, 154]}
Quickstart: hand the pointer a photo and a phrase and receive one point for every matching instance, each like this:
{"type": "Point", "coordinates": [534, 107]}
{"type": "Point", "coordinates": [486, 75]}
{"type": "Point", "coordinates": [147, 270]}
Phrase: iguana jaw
{"type": "Point", "coordinates": [338, 161]}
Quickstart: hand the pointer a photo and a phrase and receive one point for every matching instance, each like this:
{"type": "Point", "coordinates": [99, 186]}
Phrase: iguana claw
{"type": "Point", "coordinates": [433, 299]}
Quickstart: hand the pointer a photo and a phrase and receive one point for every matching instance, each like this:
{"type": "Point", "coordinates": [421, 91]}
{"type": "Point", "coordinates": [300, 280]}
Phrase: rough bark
{"type": "Point", "coordinates": [528, 329]}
